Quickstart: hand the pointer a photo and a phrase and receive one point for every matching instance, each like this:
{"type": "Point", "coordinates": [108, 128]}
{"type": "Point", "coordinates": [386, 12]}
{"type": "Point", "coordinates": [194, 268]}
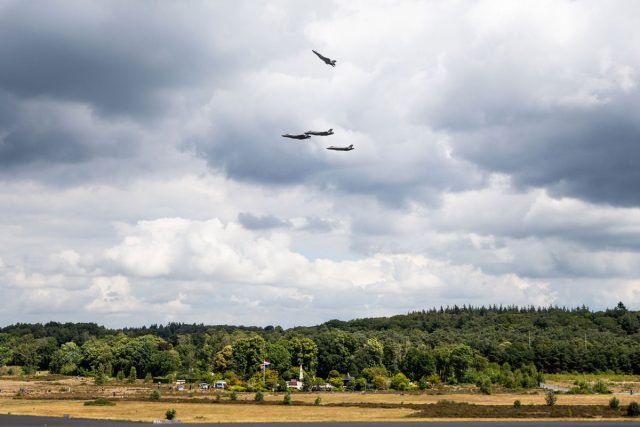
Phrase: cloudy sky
{"type": "Point", "coordinates": [143, 178]}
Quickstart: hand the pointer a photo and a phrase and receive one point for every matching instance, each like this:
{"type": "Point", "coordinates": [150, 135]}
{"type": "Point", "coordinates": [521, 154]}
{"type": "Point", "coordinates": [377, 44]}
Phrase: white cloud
{"type": "Point", "coordinates": [494, 161]}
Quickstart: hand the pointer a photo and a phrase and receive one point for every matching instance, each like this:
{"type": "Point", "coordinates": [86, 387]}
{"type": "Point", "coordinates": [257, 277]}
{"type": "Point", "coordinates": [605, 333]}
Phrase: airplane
{"type": "Point", "coordinates": [326, 60]}
{"type": "Point", "coordinates": [324, 133]}
{"type": "Point", "coordinates": [349, 148]}
{"type": "Point", "coordinates": [301, 136]}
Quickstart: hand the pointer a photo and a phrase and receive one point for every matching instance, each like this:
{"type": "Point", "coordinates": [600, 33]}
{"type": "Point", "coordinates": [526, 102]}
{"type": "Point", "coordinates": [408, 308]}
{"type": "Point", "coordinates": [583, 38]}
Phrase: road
{"type": "Point", "coordinates": [30, 421]}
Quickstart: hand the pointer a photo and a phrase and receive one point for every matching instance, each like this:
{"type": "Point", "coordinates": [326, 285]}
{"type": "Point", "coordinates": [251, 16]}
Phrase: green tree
{"type": "Point", "coordinates": [223, 360]}
{"type": "Point", "coordinates": [248, 354]}
{"type": "Point", "coordinates": [279, 357]}
{"type": "Point", "coordinates": [399, 382]}
{"type": "Point", "coordinates": [336, 350]}
{"type": "Point", "coordinates": [133, 375]}
{"type": "Point", "coordinates": [418, 362]}
{"type": "Point", "coordinates": [96, 353]}
{"type": "Point", "coordinates": [304, 351]}
{"type": "Point", "coordinates": [164, 362]}
{"type": "Point", "coordinates": [67, 359]}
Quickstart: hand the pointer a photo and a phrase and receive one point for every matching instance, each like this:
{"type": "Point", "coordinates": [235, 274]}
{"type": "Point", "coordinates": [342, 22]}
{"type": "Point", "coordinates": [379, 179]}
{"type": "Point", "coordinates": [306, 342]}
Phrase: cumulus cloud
{"type": "Point", "coordinates": [141, 162]}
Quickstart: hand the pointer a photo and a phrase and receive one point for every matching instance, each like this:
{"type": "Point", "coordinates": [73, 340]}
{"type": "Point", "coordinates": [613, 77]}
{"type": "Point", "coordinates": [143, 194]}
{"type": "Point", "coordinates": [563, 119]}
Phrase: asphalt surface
{"type": "Point", "coordinates": [29, 421]}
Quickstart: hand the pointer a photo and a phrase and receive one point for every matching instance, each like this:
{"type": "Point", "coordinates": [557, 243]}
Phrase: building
{"type": "Point", "coordinates": [297, 383]}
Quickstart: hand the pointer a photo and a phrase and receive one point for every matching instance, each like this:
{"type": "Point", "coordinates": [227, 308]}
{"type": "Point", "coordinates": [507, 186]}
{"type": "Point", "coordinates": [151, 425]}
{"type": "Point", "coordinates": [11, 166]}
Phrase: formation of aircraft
{"type": "Point", "coordinates": [329, 132]}
{"type": "Point", "coordinates": [326, 60]}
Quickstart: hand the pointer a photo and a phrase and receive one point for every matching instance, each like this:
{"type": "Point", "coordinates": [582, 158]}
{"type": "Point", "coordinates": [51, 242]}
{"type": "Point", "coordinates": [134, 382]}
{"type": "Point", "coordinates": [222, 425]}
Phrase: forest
{"type": "Point", "coordinates": [487, 346]}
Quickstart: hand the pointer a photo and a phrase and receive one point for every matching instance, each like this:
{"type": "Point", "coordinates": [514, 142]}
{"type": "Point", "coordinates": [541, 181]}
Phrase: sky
{"type": "Point", "coordinates": [144, 179]}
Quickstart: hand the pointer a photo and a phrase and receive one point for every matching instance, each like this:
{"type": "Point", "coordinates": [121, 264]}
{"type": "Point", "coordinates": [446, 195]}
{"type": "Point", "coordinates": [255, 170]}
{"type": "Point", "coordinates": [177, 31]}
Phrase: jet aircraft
{"type": "Point", "coordinates": [349, 148]}
{"type": "Point", "coordinates": [326, 60]}
{"type": "Point", "coordinates": [301, 136]}
{"type": "Point", "coordinates": [323, 133]}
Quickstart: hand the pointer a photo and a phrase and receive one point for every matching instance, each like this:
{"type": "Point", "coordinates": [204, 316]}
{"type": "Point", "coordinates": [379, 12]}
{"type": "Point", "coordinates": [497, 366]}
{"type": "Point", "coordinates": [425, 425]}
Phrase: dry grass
{"type": "Point", "coordinates": [201, 413]}
{"type": "Point", "coordinates": [477, 399]}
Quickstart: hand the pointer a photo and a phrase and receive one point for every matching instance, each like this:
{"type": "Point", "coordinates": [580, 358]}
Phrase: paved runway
{"type": "Point", "coordinates": [29, 421]}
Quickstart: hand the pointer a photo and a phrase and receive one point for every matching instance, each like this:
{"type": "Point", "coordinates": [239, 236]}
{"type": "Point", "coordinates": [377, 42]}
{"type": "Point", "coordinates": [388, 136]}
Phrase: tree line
{"type": "Point", "coordinates": [510, 346]}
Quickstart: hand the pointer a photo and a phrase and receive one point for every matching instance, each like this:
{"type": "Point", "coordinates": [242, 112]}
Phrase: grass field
{"type": "Point", "coordinates": [46, 395]}
{"type": "Point", "coordinates": [621, 378]}
{"type": "Point", "coordinates": [189, 412]}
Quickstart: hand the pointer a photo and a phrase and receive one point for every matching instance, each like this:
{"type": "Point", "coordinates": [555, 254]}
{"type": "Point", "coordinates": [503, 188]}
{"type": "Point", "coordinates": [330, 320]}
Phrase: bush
{"type": "Point", "coordinates": [148, 378]}
{"type": "Point", "coordinates": [399, 382]}
{"type": "Point", "coordinates": [614, 402]}
{"type": "Point", "coordinates": [170, 414]}
{"type": "Point", "coordinates": [633, 410]}
{"type": "Point", "coordinates": [120, 375]}
{"type": "Point", "coordinates": [601, 387]}
{"type": "Point", "coordinates": [155, 394]}
{"type": "Point", "coordinates": [485, 386]}
{"type": "Point", "coordinates": [99, 402]}
{"type": "Point", "coordinates": [517, 404]}
{"type": "Point", "coordinates": [551, 398]}
{"type": "Point", "coordinates": [100, 378]}
{"type": "Point", "coordinates": [259, 397]}
{"type": "Point", "coordinates": [233, 395]}
{"type": "Point", "coordinates": [317, 401]}
{"type": "Point", "coordinates": [287, 398]}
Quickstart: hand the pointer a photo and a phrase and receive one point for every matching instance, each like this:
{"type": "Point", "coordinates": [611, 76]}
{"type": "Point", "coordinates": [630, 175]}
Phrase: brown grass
{"type": "Point", "coordinates": [186, 412]}
{"type": "Point", "coordinates": [477, 399]}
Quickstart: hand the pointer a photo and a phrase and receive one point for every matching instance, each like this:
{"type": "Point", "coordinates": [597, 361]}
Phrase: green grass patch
{"type": "Point", "coordinates": [99, 402]}
{"type": "Point", "coordinates": [593, 377]}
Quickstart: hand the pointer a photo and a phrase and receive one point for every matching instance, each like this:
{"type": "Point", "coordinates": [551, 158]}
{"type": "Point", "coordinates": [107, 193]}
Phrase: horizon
{"type": "Point", "coordinates": [144, 177]}
{"type": "Point", "coordinates": [426, 310]}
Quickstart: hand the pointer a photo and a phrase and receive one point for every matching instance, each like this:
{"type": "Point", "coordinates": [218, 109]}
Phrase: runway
{"type": "Point", "coordinates": [31, 421]}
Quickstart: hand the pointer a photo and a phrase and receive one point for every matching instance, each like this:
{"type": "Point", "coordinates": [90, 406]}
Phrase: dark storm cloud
{"type": "Point", "coordinates": [591, 155]}
{"type": "Point", "coordinates": [117, 57]}
{"type": "Point", "coordinates": [20, 147]}
{"type": "Point", "coordinates": [258, 154]}
{"type": "Point", "coordinates": [265, 222]}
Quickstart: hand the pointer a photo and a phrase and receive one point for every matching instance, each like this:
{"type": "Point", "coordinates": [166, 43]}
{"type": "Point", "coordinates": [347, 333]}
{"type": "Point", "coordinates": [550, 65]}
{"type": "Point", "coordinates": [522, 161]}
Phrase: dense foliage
{"type": "Point", "coordinates": [509, 346]}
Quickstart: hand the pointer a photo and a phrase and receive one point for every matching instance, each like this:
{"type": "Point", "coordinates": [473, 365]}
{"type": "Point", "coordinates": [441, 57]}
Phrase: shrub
{"type": "Point", "coordinates": [614, 402]}
{"type": "Point", "coordinates": [287, 398]}
{"type": "Point", "coordinates": [551, 398]}
{"type": "Point", "coordinates": [155, 394]}
{"type": "Point", "coordinates": [317, 401]}
{"type": "Point", "coordinates": [485, 385]}
{"type": "Point", "coordinates": [100, 378]}
{"type": "Point", "coordinates": [233, 395]}
{"type": "Point", "coordinates": [148, 378]}
{"type": "Point", "coordinates": [633, 410]}
{"type": "Point", "coordinates": [99, 402]}
{"type": "Point", "coordinates": [601, 387]}
{"type": "Point", "coordinates": [170, 414]}
{"type": "Point", "coordinates": [399, 382]}
{"type": "Point", "coordinates": [259, 397]}
{"type": "Point", "coordinates": [517, 404]}
{"type": "Point", "coordinates": [133, 374]}
{"type": "Point", "coordinates": [120, 375]}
